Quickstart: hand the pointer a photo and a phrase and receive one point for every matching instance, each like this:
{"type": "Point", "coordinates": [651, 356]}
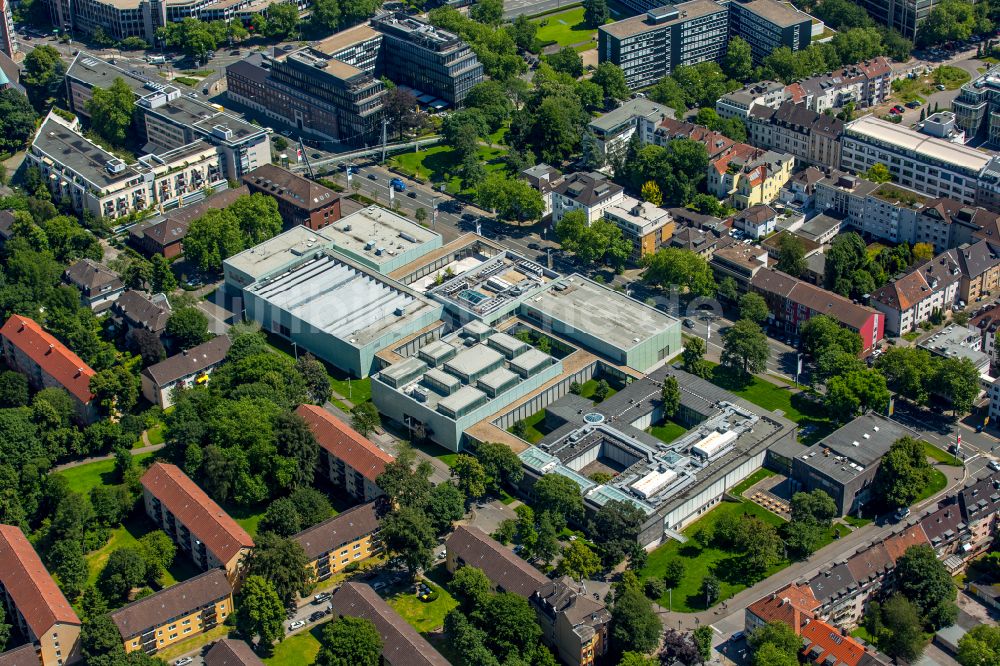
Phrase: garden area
{"type": "Point", "coordinates": [566, 28]}
{"type": "Point", "coordinates": [918, 89]}
{"type": "Point", "coordinates": [298, 650]}
{"type": "Point", "coordinates": [667, 431]}
{"type": "Point", "coordinates": [82, 478]}
{"type": "Point", "coordinates": [426, 615]}
{"type": "Point", "coordinates": [436, 164]}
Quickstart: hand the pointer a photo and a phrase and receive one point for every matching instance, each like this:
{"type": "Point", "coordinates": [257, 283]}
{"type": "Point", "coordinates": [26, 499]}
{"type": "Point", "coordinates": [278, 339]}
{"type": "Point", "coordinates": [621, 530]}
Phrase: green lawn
{"type": "Point", "coordinates": [535, 428]}
{"type": "Point", "coordinates": [699, 561]}
{"type": "Point", "coordinates": [436, 164]}
{"type": "Point", "coordinates": [588, 387]}
{"type": "Point", "coordinates": [756, 477]}
{"type": "Point", "coordinates": [155, 435]}
{"type": "Point", "coordinates": [101, 473]}
{"type": "Point", "coordinates": [908, 90]}
{"type": "Point", "coordinates": [448, 459]}
{"type": "Point", "coordinates": [795, 406]}
{"type": "Point", "coordinates": [937, 484]}
{"type": "Point", "coordinates": [355, 390]}
{"type": "Point", "coordinates": [246, 517]}
{"type": "Point", "coordinates": [129, 534]}
{"type": "Point", "coordinates": [862, 633]}
{"type": "Point", "coordinates": [940, 456]}
{"type": "Point", "coordinates": [424, 616]}
{"type": "Point", "coordinates": [298, 650]}
{"type": "Point", "coordinates": [186, 80]}
{"type": "Point", "coordinates": [854, 521]}
{"type": "Point", "coordinates": [667, 432]}
{"type": "Point", "coordinates": [565, 28]}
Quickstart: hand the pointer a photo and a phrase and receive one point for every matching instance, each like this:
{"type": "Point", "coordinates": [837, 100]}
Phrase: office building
{"type": "Point", "coordinates": [35, 605]}
{"type": "Point", "coordinates": [591, 193]}
{"type": "Point", "coordinates": [175, 613]}
{"type": "Point", "coordinates": [813, 138]}
{"type": "Point", "coordinates": [649, 46]}
{"type": "Point", "coordinates": [844, 463]}
{"type": "Point", "coordinates": [647, 227]}
{"type": "Point", "coordinates": [768, 25]}
{"type": "Point", "coordinates": [348, 538]}
{"type": "Point", "coordinates": [300, 200]}
{"type": "Point", "coordinates": [191, 367]}
{"type": "Point", "coordinates": [99, 286]}
{"type": "Point", "coordinates": [942, 125]}
{"type": "Point", "coordinates": [977, 107]}
{"type": "Point", "coordinates": [350, 461]}
{"type": "Point", "coordinates": [904, 16]}
{"type": "Point", "coordinates": [401, 644]}
{"type": "Point", "coordinates": [614, 129]}
{"type": "Point", "coordinates": [337, 309]}
{"type": "Point", "coordinates": [934, 167]}
{"type": "Point", "coordinates": [959, 342]}
{"type": "Point", "coordinates": [48, 363]}
{"type": "Point", "coordinates": [199, 526]}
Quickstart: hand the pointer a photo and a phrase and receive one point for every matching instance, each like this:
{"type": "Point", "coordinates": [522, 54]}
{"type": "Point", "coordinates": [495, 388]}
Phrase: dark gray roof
{"type": "Point", "coordinates": [189, 361]}
{"type": "Point", "coordinates": [587, 189]}
{"type": "Point", "coordinates": [500, 564]}
{"type": "Point", "coordinates": [832, 582]}
{"type": "Point", "coordinates": [140, 311]}
{"type": "Point", "coordinates": [25, 655]}
{"type": "Point", "coordinates": [90, 276]}
{"type": "Point", "coordinates": [342, 529]}
{"type": "Point", "coordinates": [229, 652]}
{"type": "Point", "coordinates": [172, 602]}
{"type": "Point", "coordinates": [401, 644]}
{"type": "Point", "coordinates": [981, 499]}
{"type": "Point", "coordinates": [6, 222]}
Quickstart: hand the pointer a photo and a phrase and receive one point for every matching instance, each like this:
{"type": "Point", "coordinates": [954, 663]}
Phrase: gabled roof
{"type": "Point", "coordinates": [206, 520]}
{"type": "Point", "coordinates": [32, 590]}
{"type": "Point", "coordinates": [89, 276]}
{"type": "Point", "coordinates": [344, 442]}
{"type": "Point", "coordinates": [943, 525]}
{"type": "Point", "coordinates": [500, 564]}
{"type": "Point", "coordinates": [189, 361]}
{"type": "Point", "coordinates": [342, 529]}
{"type": "Point", "coordinates": [291, 188]}
{"type": "Point", "coordinates": [561, 597]}
{"type": "Point", "coordinates": [52, 356]}
{"type": "Point", "coordinates": [171, 603]}
{"type": "Point", "coordinates": [981, 499]}
{"type": "Point", "coordinates": [25, 655]}
{"type": "Point", "coordinates": [897, 544]}
{"type": "Point", "coordinates": [870, 563]}
{"type": "Point", "coordinates": [230, 652]}
{"type": "Point", "coordinates": [587, 189]}
{"type": "Point", "coordinates": [920, 283]}
{"type": "Point", "coordinates": [401, 644]}
{"type": "Point", "coordinates": [757, 215]}
{"type": "Point", "coordinates": [140, 311]}
{"type": "Point", "coordinates": [826, 645]}
{"type": "Point", "coordinates": [977, 258]}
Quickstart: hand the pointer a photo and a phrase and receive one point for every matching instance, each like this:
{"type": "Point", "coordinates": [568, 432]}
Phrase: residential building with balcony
{"type": "Point", "coordinates": [977, 107]}
{"type": "Point", "coordinates": [35, 605]}
{"type": "Point", "coordinates": [543, 178]}
{"type": "Point", "coordinates": [134, 310]}
{"type": "Point", "coordinates": [336, 543]}
{"type": "Point", "coordinates": [911, 299]}
{"type": "Point", "coordinates": [199, 526]}
{"type": "Point", "coordinates": [747, 176]}
{"type": "Point", "coordinates": [191, 367]}
{"type": "Point", "coordinates": [647, 227]}
{"type": "Point", "coordinates": [347, 459]}
{"type": "Point", "coordinates": [175, 613]}
{"type": "Point", "coordinates": [48, 363]}
{"type": "Point", "coordinates": [616, 128]}
{"type": "Point", "coordinates": [592, 193]}
{"type": "Point", "coordinates": [469, 546]}
{"type": "Point", "coordinates": [864, 84]}
{"type": "Point", "coordinates": [756, 221]}
{"type": "Point", "coordinates": [739, 103]}
{"type": "Point", "coordinates": [576, 625]}
{"type": "Point", "coordinates": [813, 138]}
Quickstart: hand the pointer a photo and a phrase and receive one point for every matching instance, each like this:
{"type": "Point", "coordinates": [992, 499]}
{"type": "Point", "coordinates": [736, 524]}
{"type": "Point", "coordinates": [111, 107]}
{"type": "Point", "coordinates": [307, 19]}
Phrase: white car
{"type": "Point", "coordinates": [298, 624]}
{"type": "Point", "coordinates": [378, 586]}
{"type": "Point", "coordinates": [995, 466]}
{"type": "Point", "coordinates": [183, 661]}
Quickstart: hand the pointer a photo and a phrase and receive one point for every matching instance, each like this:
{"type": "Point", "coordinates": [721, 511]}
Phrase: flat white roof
{"type": "Point", "coordinates": [911, 140]}
{"type": "Point", "coordinates": [275, 253]}
{"type": "Point", "coordinates": [374, 228]}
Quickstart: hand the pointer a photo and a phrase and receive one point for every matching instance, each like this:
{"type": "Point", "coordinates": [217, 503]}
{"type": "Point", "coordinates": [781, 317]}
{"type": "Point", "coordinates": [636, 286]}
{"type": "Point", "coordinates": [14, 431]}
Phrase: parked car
{"type": "Point", "coordinates": [317, 616]}
{"type": "Point", "coordinates": [298, 624]}
{"type": "Point", "coordinates": [689, 323]}
{"type": "Point", "coordinates": [913, 105]}
{"type": "Point", "coordinates": [321, 597]}
{"type": "Point", "coordinates": [940, 86]}
{"type": "Point", "coordinates": [995, 466]}
{"type": "Point", "coordinates": [183, 661]}
{"type": "Point", "coordinates": [378, 586]}
{"type": "Point", "coordinates": [902, 513]}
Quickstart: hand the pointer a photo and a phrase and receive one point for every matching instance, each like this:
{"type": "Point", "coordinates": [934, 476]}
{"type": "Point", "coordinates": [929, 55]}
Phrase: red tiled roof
{"type": "Point", "coordinates": [825, 641]}
{"type": "Point", "coordinates": [206, 520]}
{"type": "Point", "coordinates": [52, 356]}
{"type": "Point", "coordinates": [343, 442]}
{"type": "Point", "coordinates": [24, 577]}
{"type": "Point", "coordinates": [897, 544]}
{"type": "Point", "coordinates": [789, 605]}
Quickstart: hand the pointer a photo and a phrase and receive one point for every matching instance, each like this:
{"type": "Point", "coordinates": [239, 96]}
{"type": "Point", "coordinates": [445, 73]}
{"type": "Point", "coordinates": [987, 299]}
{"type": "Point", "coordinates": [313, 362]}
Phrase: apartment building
{"type": "Point", "coordinates": [164, 234]}
{"type": "Point", "coordinates": [351, 462]}
{"type": "Point", "coordinates": [737, 261]}
{"type": "Point", "coordinates": [300, 201]}
{"type": "Point", "coordinates": [175, 613]}
{"type": "Point", "coordinates": [649, 46]}
{"type": "Point", "coordinates": [334, 89]}
{"type": "Point", "coordinates": [756, 221]}
{"type": "Point", "coordinates": [191, 367]}
{"type": "Point", "coordinates": [99, 286]}
{"type": "Point", "coordinates": [931, 166]}
{"type": "Point", "coordinates": [813, 138]}
{"type": "Point", "coordinates": [543, 178]}
{"type": "Point", "coordinates": [792, 302]}
{"type": "Point", "coordinates": [198, 525]}
{"type": "Point", "coordinates": [591, 193]}
{"type": "Point", "coordinates": [747, 176]}
{"type": "Point", "coordinates": [48, 363]}
{"type": "Point", "coordinates": [614, 129]}
{"type": "Point", "coordinates": [768, 25]}
{"type": "Point", "coordinates": [401, 644]}
{"type": "Point", "coordinates": [35, 605]}
{"type": "Point", "coordinates": [911, 300]}
{"type": "Point", "coordinates": [647, 227]}
{"type": "Point", "coordinates": [348, 538]}
{"type": "Point", "coordinates": [864, 84]}
{"type": "Point", "coordinates": [739, 103]}
{"type": "Point", "coordinates": [470, 546]}
{"type": "Point", "coordinates": [979, 264]}
{"type": "Point", "coordinates": [134, 311]}
{"type": "Point", "coordinates": [8, 41]}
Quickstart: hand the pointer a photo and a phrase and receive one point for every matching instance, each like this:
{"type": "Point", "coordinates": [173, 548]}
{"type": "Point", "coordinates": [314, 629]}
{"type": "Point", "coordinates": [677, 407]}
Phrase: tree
{"type": "Point", "coordinates": [745, 348]}
{"type": "Point", "coordinates": [161, 277]}
{"type": "Point", "coordinates": [770, 654]}
{"type": "Point", "coordinates": [777, 634]}
{"type": "Point", "coordinates": [711, 588]}
{"type": "Point", "coordinates": [260, 612]}
{"type": "Point", "coordinates": [312, 506]}
{"type": "Point", "coordinates": [524, 33]}
{"type": "Point", "coordinates": [315, 376]}
{"type": "Point", "coordinates": [325, 16]}
{"type": "Point", "coordinates": [670, 395]}
{"type": "Point", "coordinates": [957, 379]}
{"type": "Point", "coordinates": [124, 570]}
{"type": "Point", "coordinates": [651, 193]}
{"type": "Point", "coordinates": [13, 389]}
{"type": "Point", "coordinates": [738, 62]}
{"type": "Point", "coordinates": [856, 392]}
{"type": "Point", "coordinates": [908, 371]}
{"type": "Point", "coordinates": [281, 518]}
{"type": "Point", "coordinates": [283, 18]}
{"type": "Point", "coordinates": [472, 478]}
{"type": "Point", "coordinates": [611, 79]}
{"type": "Point", "coordinates": [679, 647]}
{"type": "Point", "coordinates": [188, 327]}
{"type": "Point", "coordinates": [401, 109]}
{"type": "Point", "coordinates": [42, 75]}
{"type": "Point", "coordinates": [501, 464]}
{"type": "Point", "coordinates": [489, 12]}
{"type": "Point", "coordinates": [99, 637]}
{"type": "Point", "coordinates": [470, 586]}
{"type": "Point", "coordinates": [17, 120]}
{"type": "Point", "coordinates": [693, 357]}
{"type": "Point", "coordinates": [158, 551]}
{"type": "Point", "coordinates": [406, 482]}
{"type": "Point", "coordinates": [636, 626]}
{"type": "Point", "coordinates": [598, 242]}
{"type": "Point", "coordinates": [409, 535]}
{"type": "Point", "coordinates": [66, 560]}
{"type": "Point", "coordinates": [213, 238]}
{"type": "Point", "coordinates": [512, 199]}
{"type": "Point", "coordinates": [949, 21]}
{"type": "Point", "coordinates": [194, 37]}
{"type": "Point", "coordinates": [822, 333]}
{"type": "Point", "coordinates": [579, 561]}
{"type": "Point", "coordinates": [445, 505]}
{"type": "Point", "coordinates": [878, 173]}
{"type": "Point", "coordinates": [282, 563]}
{"type": "Point", "coordinates": [595, 13]}
{"type": "Point", "coordinates": [702, 637]}
{"type": "Point", "coordinates": [791, 255]}
{"type": "Point", "coordinates": [678, 267]}
{"type": "Point", "coordinates": [567, 61]}
{"type": "Point", "coordinates": [897, 628]}
{"type": "Point", "coordinates": [903, 473]}
{"type": "Point", "coordinates": [980, 646]}
{"type": "Point", "coordinates": [815, 506]}
{"type": "Point", "coordinates": [561, 497]}
{"type": "Point", "coordinates": [924, 580]}
{"type": "Point", "coordinates": [753, 307]}
{"type": "Point", "coordinates": [673, 573]}
{"type": "Point", "coordinates": [257, 216]}
{"type": "Point", "coordinates": [590, 150]}
{"type": "Point", "coordinates": [547, 541]}
{"type": "Point", "coordinates": [111, 111]}
{"type": "Point", "coordinates": [350, 641]}
{"type": "Point", "coordinates": [365, 418]}
{"type": "Point", "coordinates": [636, 659]}
{"type": "Point", "coordinates": [923, 252]}
{"type": "Point", "coordinates": [296, 442]}
{"type": "Point", "coordinates": [845, 260]}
